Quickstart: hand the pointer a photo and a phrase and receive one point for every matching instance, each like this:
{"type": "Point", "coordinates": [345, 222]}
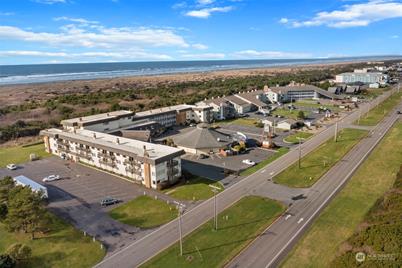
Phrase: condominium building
{"type": "Point", "coordinates": [297, 92]}
{"type": "Point", "coordinates": [153, 165]}
{"type": "Point", "coordinates": [362, 76]}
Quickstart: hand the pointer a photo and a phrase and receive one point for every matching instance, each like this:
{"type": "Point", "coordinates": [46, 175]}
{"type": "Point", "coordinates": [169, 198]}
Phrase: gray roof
{"type": "Point", "coordinates": [203, 137]}
{"type": "Point", "coordinates": [236, 100]}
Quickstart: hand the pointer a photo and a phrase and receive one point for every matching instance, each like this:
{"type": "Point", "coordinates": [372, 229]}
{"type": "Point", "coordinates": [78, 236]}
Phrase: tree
{"type": "Point", "coordinates": [26, 211]}
{"type": "Point", "coordinates": [300, 115]}
{"type": "Point", "coordinates": [6, 184]}
{"type": "Point", "coordinates": [6, 261]}
{"type": "Point", "coordinates": [19, 252]}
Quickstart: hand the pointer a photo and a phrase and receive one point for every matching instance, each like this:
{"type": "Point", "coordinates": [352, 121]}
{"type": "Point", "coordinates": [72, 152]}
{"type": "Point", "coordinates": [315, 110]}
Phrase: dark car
{"type": "Point", "coordinates": [108, 201]}
{"type": "Point", "coordinates": [398, 112]}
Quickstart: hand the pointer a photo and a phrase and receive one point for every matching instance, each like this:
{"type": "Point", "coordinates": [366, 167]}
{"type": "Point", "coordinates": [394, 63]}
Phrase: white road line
{"type": "Point", "coordinates": [330, 195]}
{"type": "Point", "coordinates": [300, 220]}
{"type": "Point", "coordinates": [287, 217]}
{"type": "Point", "coordinates": [263, 171]}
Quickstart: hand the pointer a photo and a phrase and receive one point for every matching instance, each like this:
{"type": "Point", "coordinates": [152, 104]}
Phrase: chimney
{"type": "Point", "coordinates": [94, 134]}
{"type": "Point", "coordinates": [107, 114]}
{"type": "Point", "coordinates": [80, 118]}
{"type": "Point", "coordinates": [117, 140]}
{"type": "Point", "coordinates": [75, 131]}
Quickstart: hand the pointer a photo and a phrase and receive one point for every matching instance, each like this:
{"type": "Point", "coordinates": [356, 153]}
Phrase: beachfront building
{"type": "Point", "coordinates": [153, 165]}
{"type": "Point", "coordinates": [294, 92]}
{"type": "Point", "coordinates": [363, 76]}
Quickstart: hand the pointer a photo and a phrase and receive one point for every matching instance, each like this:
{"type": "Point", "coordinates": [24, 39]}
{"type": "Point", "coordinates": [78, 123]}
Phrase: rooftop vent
{"type": "Point", "coordinates": [94, 134]}
{"type": "Point", "coordinates": [117, 140]}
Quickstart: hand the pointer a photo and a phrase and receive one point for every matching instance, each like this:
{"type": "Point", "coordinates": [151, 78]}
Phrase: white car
{"type": "Point", "coordinates": [248, 162]}
{"type": "Point", "coordinates": [51, 178]}
{"type": "Point", "coordinates": [12, 166]}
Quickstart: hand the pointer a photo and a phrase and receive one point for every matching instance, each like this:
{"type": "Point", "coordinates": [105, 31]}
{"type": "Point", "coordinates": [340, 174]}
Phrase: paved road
{"type": "Point", "coordinates": [145, 248]}
{"type": "Point", "coordinates": [276, 241]}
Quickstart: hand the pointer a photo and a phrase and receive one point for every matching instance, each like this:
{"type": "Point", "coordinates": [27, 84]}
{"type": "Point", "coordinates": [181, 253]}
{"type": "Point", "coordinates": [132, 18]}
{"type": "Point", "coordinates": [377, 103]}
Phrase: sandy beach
{"type": "Point", "coordinates": [17, 94]}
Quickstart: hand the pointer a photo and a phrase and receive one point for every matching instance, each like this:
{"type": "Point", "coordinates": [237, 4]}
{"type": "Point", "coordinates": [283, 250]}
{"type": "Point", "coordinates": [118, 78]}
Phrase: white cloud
{"type": "Point", "coordinates": [205, 2]}
{"type": "Point", "coordinates": [77, 20]}
{"type": "Point", "coordinates": [395, 36]}
{"type": "Point", "coordinates": [132, 55]}
{"type": "Point", "coordinates": [97, 36]}
{"type": "Point", "coordinates": [207, 12]}
{"type": "Point", "coordinates": [204, 56]}
{"type": "Point", "coordinates": [254, 54]}
{"type": "Point", "coordinates": [283, 20]}
{"type": "Point", "coordinates": [6, 13]}
{"type": "Point", "coordinates": [50, 2]}
{"type": "Point", "coordinates": [355, 15]}
{"type": "Point", "coordinates": [200, 46]}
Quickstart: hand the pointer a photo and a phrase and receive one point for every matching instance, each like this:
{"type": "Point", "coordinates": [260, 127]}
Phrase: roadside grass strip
{"type": "Point", "coordinates": [237, 227]}
{"type": "Point", "coordinates": [323, 241]}
{"type": "Point", "coordinates": [375, 115]}
{"type": "Point", "coordinates": [318, 162]}
{"type": "Point", "coordinates": [294, 138]}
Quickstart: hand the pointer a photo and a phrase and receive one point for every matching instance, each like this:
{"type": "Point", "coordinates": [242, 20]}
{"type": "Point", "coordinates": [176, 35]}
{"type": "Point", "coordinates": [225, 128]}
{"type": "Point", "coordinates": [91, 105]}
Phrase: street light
{"type": "Point", "coordinates": [180, 208]}
{"type": "Point", "coordinates": [216, 190]}
{"type": "Point", "coordinates": [300, 152]}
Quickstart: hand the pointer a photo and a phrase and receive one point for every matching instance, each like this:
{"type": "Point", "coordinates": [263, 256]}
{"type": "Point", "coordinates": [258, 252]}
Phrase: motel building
{"type": "Point", "coordinates": [89, 140]}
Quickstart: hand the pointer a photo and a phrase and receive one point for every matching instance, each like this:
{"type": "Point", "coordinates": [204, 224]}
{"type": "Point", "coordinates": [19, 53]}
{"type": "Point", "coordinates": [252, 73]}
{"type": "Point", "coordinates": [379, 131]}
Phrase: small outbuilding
{"type": "Point", "coordinates": [27, 182]}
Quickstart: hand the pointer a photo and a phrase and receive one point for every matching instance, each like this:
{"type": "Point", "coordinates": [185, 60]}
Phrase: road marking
{"type": "Point", "coordinates": [263, 171]}
{"type": "Point", "coordinates": [272, 173]}
{"type": "Point", "coordinates": [287, 217]}
{"type": "Point", "coordinates": [300, 220]}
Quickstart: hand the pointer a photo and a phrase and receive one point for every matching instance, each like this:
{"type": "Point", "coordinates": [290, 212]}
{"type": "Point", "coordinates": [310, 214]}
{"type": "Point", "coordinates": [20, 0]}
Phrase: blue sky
{"type": "Point", "coordinates": [61, 31]}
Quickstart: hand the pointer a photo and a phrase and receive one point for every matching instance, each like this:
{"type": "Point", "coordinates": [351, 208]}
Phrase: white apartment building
{"type": "Point", "coordinates": [153, 165]}
{"type": "Point", "coordinates": [362, 76]}
{"type": "Point", "coordinates": [297, 92]}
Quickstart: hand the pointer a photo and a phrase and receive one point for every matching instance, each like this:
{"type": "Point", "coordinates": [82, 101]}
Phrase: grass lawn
{"type": "Point", "coordinates": [144, 212]}
{"type": "Point", "coordinates": [288, 113]}
{"type": "Point", "coordinates": [320, 245]}
{"type": "Point", "coordinates": [281, 151]}
{"type": "Point", "coordinates": [319, 161]}
{"type": "Point", "coordinates": [194, 189]}
{"type": "Point", "coordinates": [237, 227]}
{"type": "Point", "coordinates": [64, 246]}
{"type": "Point", "coordinates": [314, 104]}
{"type": "Point", "coordinates": [20, 154]}
{"type": "Point", "coordinates": [294, 137]}
{"type": "Point", "coordinates": [250, 122]}
{"type": "Point", "coordinates": [377, 114]}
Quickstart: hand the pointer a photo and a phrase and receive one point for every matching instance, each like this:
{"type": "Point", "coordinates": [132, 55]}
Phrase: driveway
{"type": "Point", "coordinates": [75, 198]}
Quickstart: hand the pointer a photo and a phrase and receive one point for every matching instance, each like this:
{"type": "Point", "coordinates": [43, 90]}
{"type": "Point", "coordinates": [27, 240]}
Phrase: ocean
{"type": "Point", "coordinates": [42, 73]}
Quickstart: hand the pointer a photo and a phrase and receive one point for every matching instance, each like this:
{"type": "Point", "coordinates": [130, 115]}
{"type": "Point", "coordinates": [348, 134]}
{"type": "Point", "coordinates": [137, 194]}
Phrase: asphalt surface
{"type": "Point", "coordinates": [76, 198]}
{"type": "Point", "coordinates": [275, 242]}
{"type": "Point", "coordinates": [145, 248]}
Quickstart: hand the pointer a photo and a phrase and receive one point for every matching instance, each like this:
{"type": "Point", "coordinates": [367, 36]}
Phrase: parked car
{"type": "Point", "coordinates": [12, 166]}
{"type": "Point", "coordinates": [108, 201]}
{"type": "Point", "coordinates": [203, 156]}
{"type": "Point", "coordinates": [248, 162]}
{"type": "Point", "coordinates": [51, 178]}
{"type": "Point", "coordinates": [398, 112]}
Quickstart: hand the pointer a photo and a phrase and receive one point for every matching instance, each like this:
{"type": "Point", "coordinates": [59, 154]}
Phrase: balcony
{"type": "Point", "coordinates": [106, 155]}
{"type": "Point", "coordinates": [84, 149]}
{"type": "Point", "coordinates": [172, 171]}
{"type": "Point", "coordinates": [107, 162]}
{"type": "Point", "coordinates": [132, 163]}
{"type": "Point", "coordinates": [134, 170]}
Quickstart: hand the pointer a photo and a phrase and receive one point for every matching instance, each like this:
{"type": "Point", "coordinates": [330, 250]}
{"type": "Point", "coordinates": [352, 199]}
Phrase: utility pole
{"type": "Point", "coordinates": [336, 132]}
{"type": "Point", "coordinates": [360, 115]}
{"type": "Point", "coordinates": [216, 190]}
{"type": "Point", "coordinates": [180, 208]}
{"type": "Point", "coordinates": [300, 151]}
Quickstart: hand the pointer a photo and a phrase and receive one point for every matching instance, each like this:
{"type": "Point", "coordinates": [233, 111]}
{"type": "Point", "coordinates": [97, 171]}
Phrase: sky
{"type": "Point", "coordinates": [64, 31]}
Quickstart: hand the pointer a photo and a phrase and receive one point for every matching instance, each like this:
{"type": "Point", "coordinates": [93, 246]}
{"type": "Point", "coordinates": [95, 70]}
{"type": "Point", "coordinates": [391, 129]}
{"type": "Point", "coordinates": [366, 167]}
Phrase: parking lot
{"type": "Point", "coordinates": [76, 198]}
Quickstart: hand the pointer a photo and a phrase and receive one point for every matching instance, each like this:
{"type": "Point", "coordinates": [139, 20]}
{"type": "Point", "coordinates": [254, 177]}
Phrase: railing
{"type": "Point", "coordinates": [107, 162]}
